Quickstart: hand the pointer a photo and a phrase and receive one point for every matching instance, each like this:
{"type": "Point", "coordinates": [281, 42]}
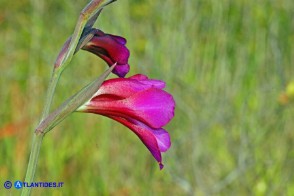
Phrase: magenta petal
{"type": "Point", "coordinates": [155, 83]}
{"type": "Point", "coordinates": [145, 135]}
{"type": "Point", "coordinates": [139, 77]}
{"type": "Point", "coordinates": [161, 135]}
{"type": "Point", "coordinates": [119, 39]}
{"type": "Point", "coordinates": [117, 52]}
{"type": "Point", "coordinates": [122, 87]}
{"type": "Point", "coordinates": [144, 79]}
{"type": "Point", "coordinates": [163, 139]}
{"type": "Point", "coordinates": [121, 70]}
{"type": "Point", "coordinates": [111, 49]}
{"type": "Point", "coordinates": [125, 87]}
{"type": "Point", "coordinates": [153, 107]}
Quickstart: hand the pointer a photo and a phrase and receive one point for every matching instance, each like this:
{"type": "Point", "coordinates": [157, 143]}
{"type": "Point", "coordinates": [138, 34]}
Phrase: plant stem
{"type": "Point", "coordinates": [93, 8]}
{"type": "Point", "coordinates": [38, 137]}
{"type": "Point", "coordinates": [50, 93]}
{"type": "Point", "coordinates": [36, 145]}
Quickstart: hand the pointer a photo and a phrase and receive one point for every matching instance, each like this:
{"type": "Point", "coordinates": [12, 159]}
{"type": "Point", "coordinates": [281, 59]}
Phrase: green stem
{"type": "Point", "coordinates": [38, 137]}
{"type": "Point", "coordinates": [50, 93]}
{"type": "Point", "coordinates": [36, 145]}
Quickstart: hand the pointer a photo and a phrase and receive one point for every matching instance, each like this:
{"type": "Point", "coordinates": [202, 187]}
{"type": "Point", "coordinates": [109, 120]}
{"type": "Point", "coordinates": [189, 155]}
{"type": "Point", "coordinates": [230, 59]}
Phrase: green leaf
{"type": "Point", "coordinates": [71, 104]}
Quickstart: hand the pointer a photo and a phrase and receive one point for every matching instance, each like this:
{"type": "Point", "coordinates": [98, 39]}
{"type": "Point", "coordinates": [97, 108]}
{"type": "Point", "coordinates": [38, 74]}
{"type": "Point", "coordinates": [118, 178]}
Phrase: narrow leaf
{"type": "Point", "coordinates": [71, 104]}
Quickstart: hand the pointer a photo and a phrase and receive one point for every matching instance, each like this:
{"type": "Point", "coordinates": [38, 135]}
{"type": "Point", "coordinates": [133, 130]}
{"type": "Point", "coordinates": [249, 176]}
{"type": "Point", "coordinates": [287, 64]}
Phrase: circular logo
{"type": "Point", "coordinates": [7, 184]}
{"type": "Point", "coordinates": [18, 184]}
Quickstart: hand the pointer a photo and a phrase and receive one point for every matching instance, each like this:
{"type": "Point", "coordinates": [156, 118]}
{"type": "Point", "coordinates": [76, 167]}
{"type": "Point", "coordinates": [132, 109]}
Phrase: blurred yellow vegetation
{"type": "Point", "coordinates": [288, 95]}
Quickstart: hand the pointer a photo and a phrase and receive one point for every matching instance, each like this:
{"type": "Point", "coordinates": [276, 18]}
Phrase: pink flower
{"type": "Point", "coordinates": [140, 104]}
{"type": "Point", "coordinates": [111, 48]}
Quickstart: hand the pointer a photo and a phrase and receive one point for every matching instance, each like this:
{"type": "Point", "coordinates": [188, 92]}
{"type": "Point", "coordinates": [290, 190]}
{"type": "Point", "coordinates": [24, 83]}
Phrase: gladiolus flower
{"type": "Point", "coordinates": [111, 48]}
{"type": "Point", "coordinates": [140, 104]}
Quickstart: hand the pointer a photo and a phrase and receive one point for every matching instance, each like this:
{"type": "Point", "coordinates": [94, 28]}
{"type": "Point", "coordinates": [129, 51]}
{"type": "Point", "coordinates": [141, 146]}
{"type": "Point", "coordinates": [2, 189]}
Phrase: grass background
{"type": "Point", "coordinates": [226, 62]}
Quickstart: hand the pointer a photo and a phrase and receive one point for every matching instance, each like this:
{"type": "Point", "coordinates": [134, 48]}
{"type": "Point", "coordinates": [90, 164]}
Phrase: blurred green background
{"type": "Point", "coordinates": [228, 64]}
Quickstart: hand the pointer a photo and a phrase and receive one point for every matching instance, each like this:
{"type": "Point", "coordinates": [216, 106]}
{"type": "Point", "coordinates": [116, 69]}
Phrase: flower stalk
{"type": "Point", "coordinates": [38, 138]}
{"type": "Point", "coordinates": [137, 102]}
{"type": "Point", "coordinates": [87, 18]}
